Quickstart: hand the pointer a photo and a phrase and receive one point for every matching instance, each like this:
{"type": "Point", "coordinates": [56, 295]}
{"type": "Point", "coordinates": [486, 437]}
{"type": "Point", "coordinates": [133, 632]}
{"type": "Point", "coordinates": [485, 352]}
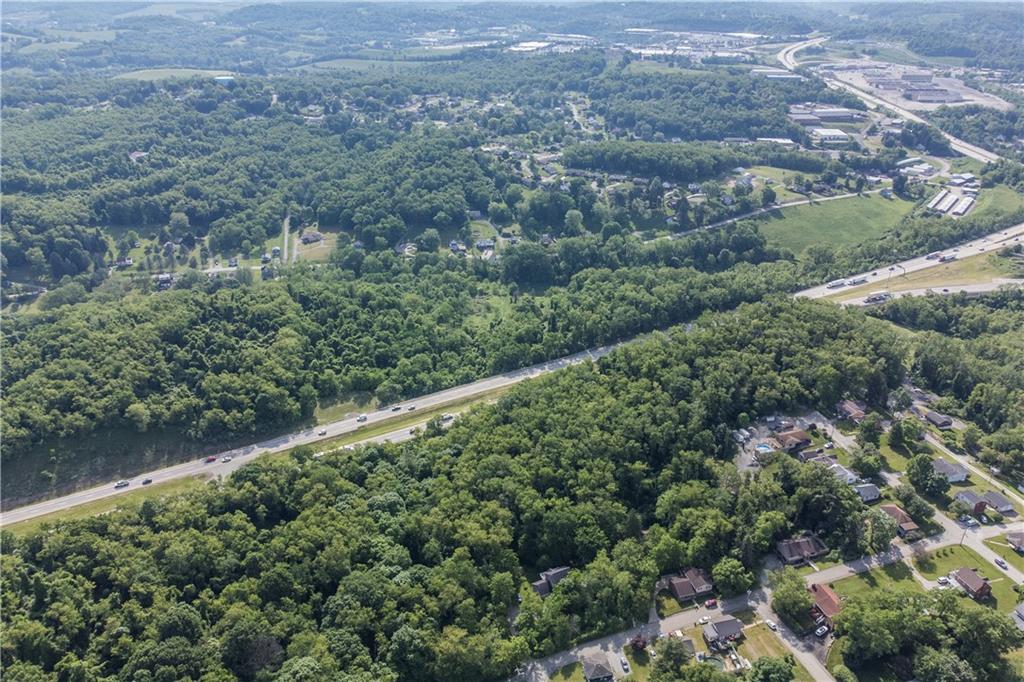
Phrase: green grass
{"type": "Point", "coordinates": [54, 46]}
{"type": "Point", "coordinates": [979, 269]}
{"type": "Point", "coordinates": [759, 641]}
{"type": "Point", "coordinates": [103, 36]}
{"type": "Point", "coordinates": [108, 504]}
{"type": "Point", "coordinates": [942, 561]}
{"type": "Point", "coordinates": [998, 199]}
{"type": "Point", "coordinates": [570, 673]}
{"type": "Point", "coordinates": [371, 65]}
{"type": "Point", "coordinates": [668, 605]}
{"type": "Point", "coordinates": [645, 67]}
{"type": "Point", "coordinates": [161, 74]}
{"type": "Point", "coordinates": [896, 576]}
{"type": "Point", "coordinates": [893, 459]}
{"type": "Point", "coordinates": [639, 665]}
{"type": "Point", "coordinates": [843, 222]}
{"type": "Point", "coordinates": [999, 546]}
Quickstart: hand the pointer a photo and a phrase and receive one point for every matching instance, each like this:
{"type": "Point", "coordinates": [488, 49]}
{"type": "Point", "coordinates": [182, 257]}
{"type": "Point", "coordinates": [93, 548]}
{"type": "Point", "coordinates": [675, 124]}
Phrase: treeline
{"type": "Point", "coordinates": [684, 162]}
{"type": "Point", "coordinates": [969, 350]}
{"type": "Point", "coordinates": [403, 561]}
{"type": "Point", "coordinates": [986, 127]}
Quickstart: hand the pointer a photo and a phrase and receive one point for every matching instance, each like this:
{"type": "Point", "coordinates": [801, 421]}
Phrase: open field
{"type": "Point", "coordinates": [54, 46]}
{"type": "Point", "coordinates": [639, 664]}
{"type": "Point", "coordinates": [570, 673]}
{"type": "Point", "coordinates": [999, 198]}
{"type": "Point", "coordinates": [646, 66]}
{"type": "Point", "coordinates": [759, 642]}
{"type": "Point", "coordinates": [844, 222]}
{"type": "Point", "coordinates": [979, 269]}
{"type": "Point", "coordinates": [132, 499]}
{"type": "Point", "coordinates": [83, 36]}
{"type": "Point", "coordinates": [371, 65]}
{"type": "Point", "coordinates": [889, 578]}
{"type": "Point", "coordinates": [161, 74]}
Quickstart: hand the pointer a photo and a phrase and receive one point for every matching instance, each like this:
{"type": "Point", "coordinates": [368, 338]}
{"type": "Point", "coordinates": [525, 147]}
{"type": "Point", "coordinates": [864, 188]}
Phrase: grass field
{"type": "Point", "coordinates": [644, 67]}
{"type": "Point", "coordinates": [999, 198]}
{"type": "Point", "coordinates": [667, 605]}
{"type": "Point", "coordinates": [570, 673]}
{"type": "Point", "coordinates": [896, 576]}
{"type": "Point", "coordinates": [999, 546]}
{"type": "Point", "coordinates": [83, 36]}
{"type": "Point", "coordinates": [162, 74]}
{"type": "Point", "coordinates": [759, 642]}
{"type": "Point", "coordinates": [942, 561]}
{"type": "Point", "coordinates": [124, 501]}
{"type": "Point", "coordinates": [54, 46]}
{"type": "Point", "coordinates": [978, 269]}
{"type": "Point", "coordinates": [372, 65]}
{"type": "Point", "coordinates": [843, 222]}
{"type": "Point", "coordinates": [639, 665]}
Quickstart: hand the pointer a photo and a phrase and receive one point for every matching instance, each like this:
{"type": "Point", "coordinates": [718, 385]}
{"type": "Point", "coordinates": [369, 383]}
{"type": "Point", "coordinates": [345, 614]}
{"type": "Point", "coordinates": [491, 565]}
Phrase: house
{"type": "Point", "coordinates": [826, 603]}
{"type": "Point", "coordinates": [548, 579]}
{"type": "Point", "coordinates": [793, 440]}
{"type": "Point", "coordinates": [311, 237]}
{"type": "Point", "coordinates": [691, 583]}
{"type": "Point", "coordinates": [722, 630]}
{"type": "Point", "coordinates": [905, 524]}
{"type": "Point", "coordinates": [596, 668]}
{"type": "Point", "coordinates": [976, 586]}
{"type": "Point", "coordinates": [852, 410]}
{"type": "Point", "coordinates": [954, 473]}
{"type": "Point", "coordinates": [484, 244]}
{"type": "Point", "coordinates": [940, 421]}
{"type": "Point", "coordinates": [1018, 616]}
{"type": "Point", "coordinates": [810, 454]}
{"type": "Point", "coordinates": [1016, 540]}
{"type": "Point", "coordinates": [800, 550]}
{"type": "Point", "coordinates": [843, 474]}
{"type": "Point", "coordinates": [868, 492]}
{"type": "Point", "coordinates": [972, 500]}
{"type": "Point", "coordinates": [997, 501]}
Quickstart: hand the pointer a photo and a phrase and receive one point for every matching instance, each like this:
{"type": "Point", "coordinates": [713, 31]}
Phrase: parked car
{"type": "Point", "coordinates": [122, 484]}
{"type": "Point", "coordinates": [211, 459]}
{"type": "Point", "coordinates": [704, 620]}
{"type": "Point", "coordinates": [147, 481]}
{"type": "Point", "coordinates": [822, 631]}
{"type": "Point", "coordinates": [711, 603]}
{"type": "Point", "coordinates": [624, 663]}
{"type": "Point", "coordinates": [771, 625]}
{"type": "Point", "coordinates": [361, 418]}
{"type": "Point", "coordinates": [942, 580]}
{"type": "Point", "coordinates": [1001, 564]}
{"type": "Point", "coordinates": [322, 432]}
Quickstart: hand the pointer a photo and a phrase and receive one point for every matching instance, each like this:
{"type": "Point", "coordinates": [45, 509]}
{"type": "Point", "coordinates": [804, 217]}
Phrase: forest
{"type": "Point", "coordinates": [402, 561]}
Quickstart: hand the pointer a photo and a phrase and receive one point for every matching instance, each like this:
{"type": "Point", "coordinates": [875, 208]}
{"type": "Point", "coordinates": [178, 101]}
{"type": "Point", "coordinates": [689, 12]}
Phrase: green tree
{"type": "Point", "coordinates": [790, 598]}
{"type": "Point", "coordinates": [731, 577]}
{"type": "Point", "coordinates": [772, 669]}
{"type": "Point", "coordinates": [922, 475]}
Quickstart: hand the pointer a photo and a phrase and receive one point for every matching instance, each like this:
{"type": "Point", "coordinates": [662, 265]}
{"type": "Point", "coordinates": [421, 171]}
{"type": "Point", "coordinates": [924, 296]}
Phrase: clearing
{"type": "Point", "coordinates": [162, 74]}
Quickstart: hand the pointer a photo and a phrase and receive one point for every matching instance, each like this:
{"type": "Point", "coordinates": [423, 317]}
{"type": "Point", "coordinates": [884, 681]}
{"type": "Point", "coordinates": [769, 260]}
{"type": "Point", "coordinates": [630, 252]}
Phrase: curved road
{"type": "Point", "coordinates": [787, 56]}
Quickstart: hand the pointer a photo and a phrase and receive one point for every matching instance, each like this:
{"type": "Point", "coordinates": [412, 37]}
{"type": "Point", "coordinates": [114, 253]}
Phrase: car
{"type": "Point", "coordinates": [361, 418]}
{"type": "Point", "coordinates": [226, 459]}
{"type": "Point", "coordinates": [771, 625]}
{"type": "Point", "coordinates": [211, 459]}
{"type": "Point", "coordinates": [122, 484]}
{"type": "Point", "coordinates": [932, 256]}
{"type": "Point", "coordinates": [711, 603]}
{"type": "Point", "coordinates": [945, 291]}
{"type": "Point", "coordinates": [396, 408]}
{"type": "Point", "coordinates": [147, 481]}
{"type": "Point", "coordinates": [942, 580]}
{"type": "Point", "coordinates": [322, 432]}
{"type": "Point", "coordinates": [822, 631]}
{"type": "Point", "coordinates": [829, 445]}
{"type": "Point", "coordinates": [624, 663]}
{"type": "Point", "coordinates": [704, 620]}
{"type": "Point", "coordinates": [1001, 564]}
{"type": "Point", "coordinates": [411, 408]}
{"type": "Point", "coordinates": [447, 417]}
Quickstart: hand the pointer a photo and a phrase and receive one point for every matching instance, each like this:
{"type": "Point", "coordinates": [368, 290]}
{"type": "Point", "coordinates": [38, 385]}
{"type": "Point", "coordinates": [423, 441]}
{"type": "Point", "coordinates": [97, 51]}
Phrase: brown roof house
{"type": "Point", "coordinates": [905, 524]}
{"type": "Point", "coordinates": [801, 550]}
{"type": "Point", "coordinates": [973, 584]}
{"type": "Point", "coordinates": [852, 410]}
{"type": "Point", "coordinates": [826, 603]}
{"type": "Point", "coordinates": [793, 440]}
{"type": "Point", "coordinates": [548, 580]}
{"type": "Point", "coordinates": [692, 583]}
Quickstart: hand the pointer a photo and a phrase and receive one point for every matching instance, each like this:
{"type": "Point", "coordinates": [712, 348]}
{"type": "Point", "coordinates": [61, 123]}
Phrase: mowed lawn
{"type": "Point", "coordinates": [942, 561]}
{"type": "Point", "coordinates": [889, 578]}
{"type": "Point", "coordinates": [759, 642]}
{"type": "Point", "coordinates": [1009, 555]}
{"type": "Point", "coordinates": [842, 222]}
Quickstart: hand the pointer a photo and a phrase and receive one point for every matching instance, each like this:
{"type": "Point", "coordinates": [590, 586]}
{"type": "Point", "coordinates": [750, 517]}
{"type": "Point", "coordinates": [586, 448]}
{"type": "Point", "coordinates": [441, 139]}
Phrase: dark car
{"type": "Point", "coordinates": [147, 481]}
{"type": "Point", "coordinates": [211, 459]}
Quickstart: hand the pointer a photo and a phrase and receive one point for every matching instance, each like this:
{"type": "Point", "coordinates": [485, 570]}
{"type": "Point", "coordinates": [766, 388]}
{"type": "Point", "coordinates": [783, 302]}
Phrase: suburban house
{"type": "Point", "coordinates": [722, 630]}
{"type": "Point", "coordinates": [852, 410]}
{"type": "Point", "coordinates": [1018, 616]}
{"type": "Point", "coordinates": [793, 440]}
{"type": "Point", "coordinates": [940, 421]}
{"type": "Point", "coordinates": [596, 668]}
{"type": "Point", "coordinates": [868, 492]}
{"type": "Point", "coordinates": [801, 550]}
{"type": "Point", "coordinates": [692, 583]}
{"type": "Point", "coordinates": [548, 580]}
{"type": "Point", "coordinates": [810, 454]}
{"type": "Point", "coordinates": [997, 501]}
{"type": "Point", "coordinates": [837, 469]}
{"type": "Point", "coordinates": [954, 473]}
{"type": "Point", "coordinates": [1015, 540]}
{"type": "Point", "coordinates": [826, 603]}
{"type": "Point", "coordinates": [972, 500]}
{"type": "Point", "coordinates": [905, 524]}
{"type": "Point", "coordinates": [973, 584]}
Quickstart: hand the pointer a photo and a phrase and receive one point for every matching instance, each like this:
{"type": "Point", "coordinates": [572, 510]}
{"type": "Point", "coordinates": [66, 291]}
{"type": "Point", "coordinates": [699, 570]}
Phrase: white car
{"type": "Point", "coordinates": [771, 625]}
{"type": "Point", "coordinates": [226, 459]}
{"type": "Point", "coordinates": [942, 580]}
{"type": "Point", "coordinates": [822, 631]}
{"type": "Point", "coordinates": [704, 620]}
{"type": "Point", "coordinates": [122, 484]}
{"type": "Point", "coordinates": [624, 663]}
{"type": "Point", "coordinates": [361, 418]}
{"type": "Point", "coordinates": [322, 432]}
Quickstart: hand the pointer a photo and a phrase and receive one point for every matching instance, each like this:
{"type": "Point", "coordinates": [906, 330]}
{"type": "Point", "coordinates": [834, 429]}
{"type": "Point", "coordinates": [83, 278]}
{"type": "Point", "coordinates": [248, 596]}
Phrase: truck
{"type": "Point", "coordinates": [947, 258]}
{"type": "Point", "coordinates": [856, 280]}
{"type": "Point", "coordinates": [878, 297]}
{"type": "Point", "coordinates": [836, 283]}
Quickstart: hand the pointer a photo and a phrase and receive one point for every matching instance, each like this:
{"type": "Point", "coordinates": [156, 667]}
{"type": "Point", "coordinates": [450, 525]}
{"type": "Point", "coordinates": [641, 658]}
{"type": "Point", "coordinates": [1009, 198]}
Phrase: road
{"type": "Point", "coordinates": [948, 290]}
{"type": "Point", "coordinates": [787, 56]}
{"type": "Point", "coordinates": [304, 437]}
{"type": "Point", "coordinates": [285, 227]}
{"type": "Point", "coordinates": [988, 243]}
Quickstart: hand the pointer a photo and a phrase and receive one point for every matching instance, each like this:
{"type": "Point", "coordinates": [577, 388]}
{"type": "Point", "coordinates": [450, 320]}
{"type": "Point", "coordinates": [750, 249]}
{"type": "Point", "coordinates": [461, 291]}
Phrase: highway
{"type": "Point", "coordinates": [879, 276]}
{"type": "Point", "coordinates": [239, 456]}
{"type": "Point", "coordinates": [787, 56]}
{"type": "Point", "coordinates": [994, 285]}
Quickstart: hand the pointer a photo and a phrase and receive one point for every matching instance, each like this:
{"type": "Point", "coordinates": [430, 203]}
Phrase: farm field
{"type": "Point", "coordinates": [843, 222]}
